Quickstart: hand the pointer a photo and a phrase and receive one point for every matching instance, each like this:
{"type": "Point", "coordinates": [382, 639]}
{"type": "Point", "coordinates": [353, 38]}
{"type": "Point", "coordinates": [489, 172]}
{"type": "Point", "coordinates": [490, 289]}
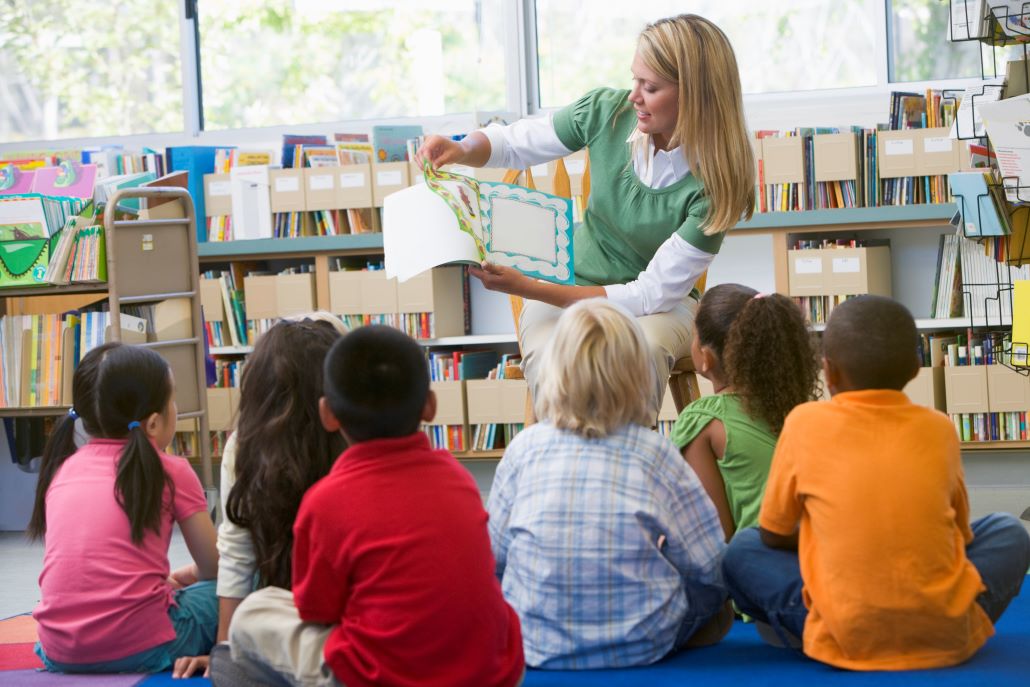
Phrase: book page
{"type": "Point", "coordinates": [528, 230]}
{"type": "Point", "coordinates": [420, 231]}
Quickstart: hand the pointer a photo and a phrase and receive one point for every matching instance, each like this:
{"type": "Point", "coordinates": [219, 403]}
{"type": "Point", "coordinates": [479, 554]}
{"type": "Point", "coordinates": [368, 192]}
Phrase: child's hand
{"type": "Point", "coordinates": [186, 666]}
{"type": "Point", "coordinates": [184, 577]}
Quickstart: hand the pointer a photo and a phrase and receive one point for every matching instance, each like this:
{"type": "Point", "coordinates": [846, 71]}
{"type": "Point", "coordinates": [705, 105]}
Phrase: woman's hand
{"type": "Point", "coordinates": [500, 278]}
{"type": "Point", "coordinates": [439, 151]}
{"type": "Point", "coordinates": [186, 666]}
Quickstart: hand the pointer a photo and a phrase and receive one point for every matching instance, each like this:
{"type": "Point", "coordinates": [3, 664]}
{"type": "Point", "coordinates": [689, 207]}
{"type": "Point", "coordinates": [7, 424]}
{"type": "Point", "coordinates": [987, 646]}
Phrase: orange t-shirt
{"type": "Point", "coordinates": [877, 485]}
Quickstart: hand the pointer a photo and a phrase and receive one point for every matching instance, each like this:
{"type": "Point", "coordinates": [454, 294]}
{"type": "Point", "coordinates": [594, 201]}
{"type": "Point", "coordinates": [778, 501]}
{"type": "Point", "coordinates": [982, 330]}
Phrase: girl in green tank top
{"type": "Point", "coordinates": [759, 356]}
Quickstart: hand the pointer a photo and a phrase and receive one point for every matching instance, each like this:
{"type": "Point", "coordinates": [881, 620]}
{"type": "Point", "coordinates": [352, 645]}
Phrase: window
{"type": "Point", "coordinates": [270, 62]}
{"type": "Point", "coordinates": [919, 45]}
{"type": "Point", "coordinates": [780, 46]}
{"type": "Point", "coordinates": [110, 69]}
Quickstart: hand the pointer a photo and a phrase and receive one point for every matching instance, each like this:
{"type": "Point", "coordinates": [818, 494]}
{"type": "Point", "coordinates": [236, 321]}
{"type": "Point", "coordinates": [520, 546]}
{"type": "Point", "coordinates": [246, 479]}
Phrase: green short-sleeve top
{"type": "Point", "coordinates": [749, 450]}
{"type": "Point", "coordinates": [625, 220]}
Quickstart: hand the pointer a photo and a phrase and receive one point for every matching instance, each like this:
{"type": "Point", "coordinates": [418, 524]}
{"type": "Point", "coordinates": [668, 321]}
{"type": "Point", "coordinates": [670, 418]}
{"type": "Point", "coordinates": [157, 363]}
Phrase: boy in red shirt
{"type": "Point", "coordinates": [393, 575]}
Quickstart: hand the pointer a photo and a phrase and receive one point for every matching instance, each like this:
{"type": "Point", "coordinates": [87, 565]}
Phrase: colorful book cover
{"type": "Point", "coordinates": [391, 142]}
{"type": "Point", "coordinates": [290, 143]}
{"type": "Point", "coordinates": [15, 180]}
{"type": "Point", "coordinates": [456, 219]}
{"type": "Point", "coordinates": [68, 179]}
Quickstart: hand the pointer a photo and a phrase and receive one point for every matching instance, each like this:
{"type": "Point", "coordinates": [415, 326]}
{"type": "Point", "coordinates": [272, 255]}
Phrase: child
{"type": "Point", "coordinates": [392, 573]}
{"type": "Point", "coordinates": [605, 541]}
{"type": "Point", "coordinates": [728, 438]}
{"type": "Point", "coordinates": [106, 510]}
{"type": "Point", "coordinates": [887, 573]}
{"type": "Point", "coordinates": [279, 449]}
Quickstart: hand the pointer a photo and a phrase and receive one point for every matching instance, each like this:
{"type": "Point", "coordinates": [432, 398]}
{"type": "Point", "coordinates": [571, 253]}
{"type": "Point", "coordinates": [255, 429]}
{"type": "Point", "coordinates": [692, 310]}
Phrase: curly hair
{"type": "Point", "coordinates": [771, 359]}
{"type": "Point", "coordinates": [764, 348]}
{"type": "Point", "coordinates": [281, 447]}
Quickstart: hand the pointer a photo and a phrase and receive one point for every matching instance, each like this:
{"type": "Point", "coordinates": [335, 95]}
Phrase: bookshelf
{"type": "Point", "coordinates": [157, 262]}
{"type": "Point", "coordinates": [913, 229]}
{"type": "Point", "coordinates": [320, 252]}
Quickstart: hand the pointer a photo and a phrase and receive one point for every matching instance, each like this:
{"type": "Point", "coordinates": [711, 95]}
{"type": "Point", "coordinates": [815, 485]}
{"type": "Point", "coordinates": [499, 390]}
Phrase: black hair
{"type": "Point", "coordinates": [281, 447]}
{"type": "Point", "coordinates": [61, 442]}
{"type": "Point", "coordinates": [133, 383]}
{"type": "Point", "coordinates": [873, 341]}
{"type": "Point", "coordinates": [376, 383]}
{"type": "Point", "coordinates": [764, 348]}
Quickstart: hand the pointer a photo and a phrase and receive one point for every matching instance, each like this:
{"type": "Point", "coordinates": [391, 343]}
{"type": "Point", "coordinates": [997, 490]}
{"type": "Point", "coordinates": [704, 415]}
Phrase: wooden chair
{"type": "Point", "coordinates": [683, 379]}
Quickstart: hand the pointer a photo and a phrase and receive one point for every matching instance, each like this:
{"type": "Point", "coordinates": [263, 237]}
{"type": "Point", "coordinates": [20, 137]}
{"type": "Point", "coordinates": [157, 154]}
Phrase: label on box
{"type": "Point", "coordinates": [320, 182]}
{"type": "Point", "coordinates": [352, 180]}
{"type": "Point", "coordinates": [898, 147]}
{"type": "Point", "coordinates": [388, 178]}
{"type": "Point", "coordinates": [539, 170]}
{"type": "Point", "coordinates": [845, 265]}
{"type": "Point", "coordinates": [287, 184]}
{"type": "Point", "coordinates": [219, 188]}
{"type": "Point", "coordinates": [808, 265]}
{"type": "Point", "coordinates": [937, 144]}
{"type": "Point", "coordinates": [575, 166]}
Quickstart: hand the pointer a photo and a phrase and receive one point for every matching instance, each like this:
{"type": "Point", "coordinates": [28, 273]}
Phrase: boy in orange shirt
{"type": "Point", "coordinates": [868, 489]}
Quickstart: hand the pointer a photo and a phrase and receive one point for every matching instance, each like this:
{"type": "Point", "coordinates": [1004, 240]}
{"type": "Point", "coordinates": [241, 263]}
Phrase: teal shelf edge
{"type": "Point", "coordinates": [942, 212]}
{"type": "Point", "coordinates": [300, 245]}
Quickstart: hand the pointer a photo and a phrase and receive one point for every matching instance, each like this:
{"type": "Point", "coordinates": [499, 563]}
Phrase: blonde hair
{"type": "Point", "coordinates": [596, 373]}
{"type": "Point", "coordinates": [695, 54]}
{"type": "Point", "coordinates": [321, 316]}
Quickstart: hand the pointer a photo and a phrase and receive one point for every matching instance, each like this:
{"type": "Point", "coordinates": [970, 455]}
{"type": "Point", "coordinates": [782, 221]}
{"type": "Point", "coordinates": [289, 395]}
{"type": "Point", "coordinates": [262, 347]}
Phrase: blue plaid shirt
{"type": "Point", "coordinates": [596, 541]}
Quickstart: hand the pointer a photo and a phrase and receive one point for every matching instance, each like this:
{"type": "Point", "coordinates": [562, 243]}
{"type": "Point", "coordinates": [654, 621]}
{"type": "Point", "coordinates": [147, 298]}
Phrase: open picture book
{"type": "Point", "coordinates": [457, 219]}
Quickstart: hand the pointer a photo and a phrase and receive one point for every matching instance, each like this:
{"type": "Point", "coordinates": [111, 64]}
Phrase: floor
{"type": "Point", "coordinates": [21, 561]}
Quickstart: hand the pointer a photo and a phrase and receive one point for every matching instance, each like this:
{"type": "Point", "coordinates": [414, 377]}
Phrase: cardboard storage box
{"type": "Point", "coordinates": [387, 178]}
{"type": "Point", "coordinates": [496, 401]}
{"type": "Point", "coordinates": [782, 160]}
{"type": "Point", "coordinates": [839, 271]}
{"type": "Point", "coordinates": [927, 389]}
{"type": "Point", "coordinates": [438, 291]}
{"type": "Point", "coordinates": [450, 403]}
{"type": "Point", "coordinates": [966, 389]}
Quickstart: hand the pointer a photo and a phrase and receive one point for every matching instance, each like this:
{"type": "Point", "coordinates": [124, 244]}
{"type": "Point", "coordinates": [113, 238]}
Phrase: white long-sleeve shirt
{"type": "Point", "coordinates": [676, 265]}
{"type": "Point", "coordinates": [236, 560]}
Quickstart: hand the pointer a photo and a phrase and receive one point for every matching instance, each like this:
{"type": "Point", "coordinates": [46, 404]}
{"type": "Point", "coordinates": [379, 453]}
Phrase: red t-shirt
{"type": "Point", "coordinates": [392, 548]}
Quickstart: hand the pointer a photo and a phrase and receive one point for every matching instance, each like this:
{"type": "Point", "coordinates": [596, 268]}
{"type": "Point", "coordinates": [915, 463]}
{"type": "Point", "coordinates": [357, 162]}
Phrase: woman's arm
{"type": "Point", "coordinates": [668, 279]}
{"type": "Point", "coordinates": [509, 280]}
{"type": "Point", "coordinates": [520, 145]}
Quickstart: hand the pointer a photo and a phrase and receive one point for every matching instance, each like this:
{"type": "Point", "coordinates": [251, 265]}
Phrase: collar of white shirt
{"type": "Point", "coordinates": [656, 168]}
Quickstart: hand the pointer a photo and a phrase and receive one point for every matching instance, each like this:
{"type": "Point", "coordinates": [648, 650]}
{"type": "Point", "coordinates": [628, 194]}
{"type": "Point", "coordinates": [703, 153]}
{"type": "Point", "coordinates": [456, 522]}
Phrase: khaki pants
{"type": "Point", "coordinates": [669, 335]}
{"type": "Point", "coordinates": [273, 645]}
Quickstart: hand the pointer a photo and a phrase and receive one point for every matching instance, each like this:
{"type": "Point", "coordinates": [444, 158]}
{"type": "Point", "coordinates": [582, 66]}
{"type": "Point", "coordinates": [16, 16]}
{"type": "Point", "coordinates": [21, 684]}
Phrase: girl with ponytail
{"type": "Point", "coordinates": [760, 358]}
{"type": "Point", "coordinates": [105, 510]}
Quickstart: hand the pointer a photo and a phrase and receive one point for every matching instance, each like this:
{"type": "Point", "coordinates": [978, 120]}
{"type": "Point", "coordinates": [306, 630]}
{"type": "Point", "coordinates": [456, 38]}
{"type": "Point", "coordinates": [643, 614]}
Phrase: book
{"type": "Point", "coordinates": [980, 214]}
{"type": "Point", "coordinates": [457, 219]}
{"type": "Point", "coordinates": [69, 179]}
{"type": "Point", "coordinates": [390, 142]}
{"type": "Point", "coordinates": [15, 180]}
{"type": "Point", "coordinates": [197, 161]}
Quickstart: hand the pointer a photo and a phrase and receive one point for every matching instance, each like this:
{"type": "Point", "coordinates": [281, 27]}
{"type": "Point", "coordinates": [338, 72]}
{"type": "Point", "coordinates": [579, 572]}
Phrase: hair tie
{"type": "Point", "coordinates": [133, 425]}
{"type": "Point", "coordinates": [72, 414]}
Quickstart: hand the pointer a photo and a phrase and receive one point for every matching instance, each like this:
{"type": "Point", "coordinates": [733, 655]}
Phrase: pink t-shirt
{"type": "Point", "coordinates": [103, 597]}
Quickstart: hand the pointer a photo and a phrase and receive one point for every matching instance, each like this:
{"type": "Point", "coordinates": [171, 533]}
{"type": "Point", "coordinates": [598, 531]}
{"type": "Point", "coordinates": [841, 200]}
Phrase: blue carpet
{"type": "Point", "coordinates": [743, 659]}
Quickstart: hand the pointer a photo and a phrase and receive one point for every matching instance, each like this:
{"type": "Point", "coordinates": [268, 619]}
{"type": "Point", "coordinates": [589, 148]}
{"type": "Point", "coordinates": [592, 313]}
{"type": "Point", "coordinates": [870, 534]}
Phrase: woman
{"type": "Point", "coordinates": [671, 170]}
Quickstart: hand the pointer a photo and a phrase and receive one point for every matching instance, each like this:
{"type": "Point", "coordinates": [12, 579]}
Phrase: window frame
{"type": "Point", "coordinates": [840, 106]}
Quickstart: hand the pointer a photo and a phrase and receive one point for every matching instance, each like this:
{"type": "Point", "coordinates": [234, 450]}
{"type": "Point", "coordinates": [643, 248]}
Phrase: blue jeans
{"type": "Point", "coordinates": [195, 620]}
{"type": "Point", "coordinates": [766, 583]}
